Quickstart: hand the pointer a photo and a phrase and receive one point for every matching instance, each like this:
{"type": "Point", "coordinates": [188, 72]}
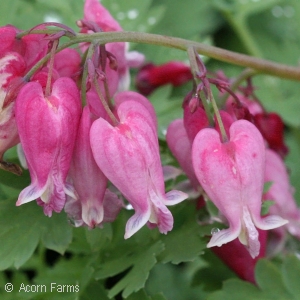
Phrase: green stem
{"type": "Point", "coordinates": [104, 103]}
{"type": "Point", "coordinates": [218, 116]}
{"type": "Point", "coordinates": [202, 96]}
{"type": "Point", "coordinates": [258, 64]}
{"type": "Point", "coordinates": [51, 64]}
{"type": "Point", "coordinates": [90, 52]}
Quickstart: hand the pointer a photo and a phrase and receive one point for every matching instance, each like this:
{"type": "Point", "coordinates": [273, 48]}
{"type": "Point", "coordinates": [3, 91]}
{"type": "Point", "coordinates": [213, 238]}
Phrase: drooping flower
{"type": "Point", "coordinates": [118, 77]}
{"type": "Point", "coordinates": [232, 175]}
{"type": "Point", "coordinates": [32, 47]}
{"type": "Point", "coordinates": [128, 155]}
{"type": "Point", "coordinates": [47, 128]}
{"type": "Point", "coordinates": [272, 128]}
{"type": "Point", "coordinates": [181, 147]}
{"type": "Point", "coordinates": [67, 62]}
{"type": "Point", "coordinates": [281, 192]}
{"type": "Point", "coordinates": [12, 67]}
{"type": "Point", "coordinates": [89, 182]}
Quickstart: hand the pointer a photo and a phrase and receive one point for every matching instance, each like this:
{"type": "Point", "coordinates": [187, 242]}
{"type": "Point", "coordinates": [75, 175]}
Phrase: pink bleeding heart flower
{"type": "Point", "coordinates": [128, 155]}
{"type": "Point", "coordinates": [194, 116]}
{"type": "Point", "coordinates": [32, 47]}
{"type": "Point", "coordinates": [8, 41]}
{"type": "Point", "coordinates": [67, 63]}
{"type": "Point", "coordinates": [12, 67]}
{"type": "Point", "coordinates": [96, 13]}
{"type": "Point", "coordinates": [89, 181]}
{"type": "Point", "coordinates": [232, 175]}
{"type": "Point", "coordinates": [237, 111]}
{"type": "Point", "coordinates": [281, 192]}
{"type": "Point", "coordinates": [47, 129]}
{"type": "Point", "coordinates": [181, 148]}
{"type": "Point", "coordinates": [134, 96]}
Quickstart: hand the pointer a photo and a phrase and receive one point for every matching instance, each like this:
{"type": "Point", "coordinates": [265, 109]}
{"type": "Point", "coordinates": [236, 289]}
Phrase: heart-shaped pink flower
{"type": "Point", "coordinates": [128, 155]}
{"type": "Point", "coordinates": [47, 128]}
{"type": "Point", "coordinates": [232, 175]}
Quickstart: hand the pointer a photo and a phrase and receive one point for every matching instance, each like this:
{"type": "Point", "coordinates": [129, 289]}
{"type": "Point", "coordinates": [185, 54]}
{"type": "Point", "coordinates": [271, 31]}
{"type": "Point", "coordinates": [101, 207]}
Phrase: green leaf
{"type": "Point", "coordinates": [182, 244]}
{"type": "Point", "coordinates": [274, 282]}
{"type": "Point", "coordinates": [99, 238]}
{"type": "Point", "coordinates": [266, 206]}
{"type": "Point", "coordinates": [21, 229]}
{"type": "Point", "coordinates": [94, 291]}
{"type": "Point", "coordinates": [290, 273]}
{"type": "Point", "coordinates": [57, 235]}
{"type": "Point", "coordinates": [269, 279]}
{"type": "Point", "coordinates": [135, 15]}
{"type": "Point", "coordinates": [280, 96]}
{"type": "Point", "coordinates": [267, 186]}
{"type": "Point", "coordinates": [141, 295]}
{"type": "Point", "coordinates": [211, 274]}
{"type": "Point", "coordinates": [196, 18]}
{"type": "Point", "coordinates": [64, 279]}
{"type": "Point", "coordinates": [141, 263]}
{"type": "Point", "coordinates": [234, 289]}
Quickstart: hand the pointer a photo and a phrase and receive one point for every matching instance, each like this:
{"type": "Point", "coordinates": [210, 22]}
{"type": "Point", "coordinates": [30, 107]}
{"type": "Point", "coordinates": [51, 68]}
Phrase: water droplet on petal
{"type": "Point", "coordinates": [129, 207]}
{"type": "Point", "coordinates": [214, 231]}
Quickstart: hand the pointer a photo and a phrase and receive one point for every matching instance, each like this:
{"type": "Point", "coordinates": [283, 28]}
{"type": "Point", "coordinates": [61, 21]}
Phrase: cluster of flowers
{"type": "Point", "coordinates": [73, 152]}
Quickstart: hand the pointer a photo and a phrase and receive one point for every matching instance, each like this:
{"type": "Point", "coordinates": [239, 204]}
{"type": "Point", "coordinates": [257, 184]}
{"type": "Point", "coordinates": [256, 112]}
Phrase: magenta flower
{"type": "Point", "coordinates": [128, 155]}
{"type": "Point", "coordinates": [67, 63]}
{"type": "Point", "coordinates": [96, 13]}
{"type": "Point", "coordinates": [12, 67]}
{"type": "Point", "coordinates": [47, 128]}
{"type": "Point", "coordinates": [89, 181]}
{"type": "Point", "coordinates": [232, 175]}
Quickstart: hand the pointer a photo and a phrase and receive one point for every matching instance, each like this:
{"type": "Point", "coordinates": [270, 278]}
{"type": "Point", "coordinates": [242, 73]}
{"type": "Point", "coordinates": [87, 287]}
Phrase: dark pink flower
{"type": "Point", "coordinates": [12, 67]}
{"type": "Point", "coordinates": [153, 76]}
{"type": "Point", "coordinates": [272, 128]}
{"type": "Point", "coordinates": [67, 63]}
{"type": "Point", "coordinates": [47, 128]}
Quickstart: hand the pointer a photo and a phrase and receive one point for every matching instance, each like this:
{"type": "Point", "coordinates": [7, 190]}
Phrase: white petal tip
{"type": "Point", "coordinates": [173, 197]}
{"type": "Point", "coordinates": [222, 237]}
